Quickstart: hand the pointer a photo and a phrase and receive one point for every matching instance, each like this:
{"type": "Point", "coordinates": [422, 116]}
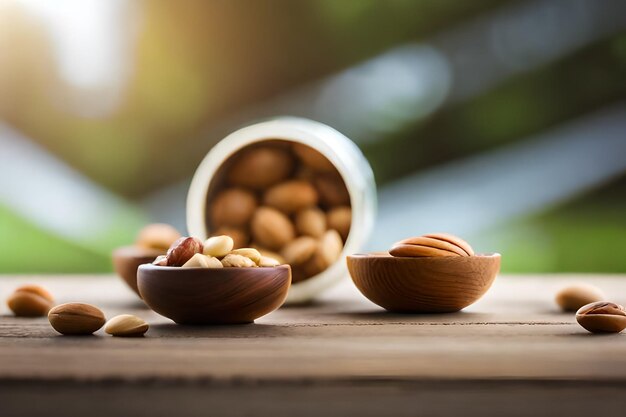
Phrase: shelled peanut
{"type": "Point", "coordinates": [286, 200]}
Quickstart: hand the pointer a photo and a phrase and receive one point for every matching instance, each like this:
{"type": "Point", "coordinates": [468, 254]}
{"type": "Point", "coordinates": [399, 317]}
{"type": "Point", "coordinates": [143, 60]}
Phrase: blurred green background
{"type": "Point", "coordinates": [106, 109]}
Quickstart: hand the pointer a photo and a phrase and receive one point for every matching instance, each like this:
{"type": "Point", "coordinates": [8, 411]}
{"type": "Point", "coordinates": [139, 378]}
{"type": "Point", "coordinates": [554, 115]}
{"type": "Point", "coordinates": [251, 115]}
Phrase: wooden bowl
{"type": "Point", "coordinates": [127, 259]}
{"type": "Point", "coordinates": [213, 295]}
{"type": "Point", "coordinates": [423, 285]}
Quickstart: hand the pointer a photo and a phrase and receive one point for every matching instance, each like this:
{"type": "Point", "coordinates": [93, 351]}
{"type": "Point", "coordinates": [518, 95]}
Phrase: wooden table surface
{"type": "Point", "coordinates": [512, 353]}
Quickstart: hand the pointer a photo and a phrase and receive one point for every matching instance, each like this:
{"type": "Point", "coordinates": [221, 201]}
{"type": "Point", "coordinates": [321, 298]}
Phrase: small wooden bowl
{"type": "Point", "coordinates": [213, 295]}
{"type": "Point", "coordinates": [423, 285]}
{"type": "Point", "coordinates": [127, 259]}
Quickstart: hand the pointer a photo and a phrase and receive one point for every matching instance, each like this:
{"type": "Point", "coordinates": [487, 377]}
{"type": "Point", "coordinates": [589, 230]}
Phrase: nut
{"type": "Point", "coordinates": [291, 196]}
{"type": "Point", "coordinates": [233, 207]}
{"type": "Point", "coordinates": [250, 253]}
{"type": "Point", "coordinates": [30, 301]}
{"type": "Point", "coordinates": [239, 236]}
{"type": "Point", "coordinates": [271, 228]}
{"type": "Point", "coordinates": [332, 190]}
{"type": "Point", "coordinates": [313, 158]}
{"type": "Point", "coordinates": [157, 236]}
{"type": "Point", "coordinates": [202, 261]}
{"type": "Point", "coordinates": [237, 261]}
{"type": "Point", "coordinates": [340, 219]}
{"type": "Point", "coordinates": [218, 246]}
{"type": "Point", "coordinates": [270, 254]}
{"type": "Point", "coordinates": [299, 250]}
{"type": "Point", "coordinates": [126, 325]}
{"type": "Point", "coordinates": [330, 247]}
{"type": "Point", "coordinates": [160, 260]}
{"type": "Point", "coordinates": [182, 250]}
{"type": "Point", "coordinates": [261, 167]}
{"type": "Point", "coordinates": [311, 222]}
{"type": "Point", "coordinates": [573, 297]}
{"type": "Point", "coordinates": [436, 244]}
{"type": "Point", "coordinates": [266, 261]}
{"type": "Point", "coordinates": [602, 317]}
{"type": "Point", "coordinates": [76, 318]}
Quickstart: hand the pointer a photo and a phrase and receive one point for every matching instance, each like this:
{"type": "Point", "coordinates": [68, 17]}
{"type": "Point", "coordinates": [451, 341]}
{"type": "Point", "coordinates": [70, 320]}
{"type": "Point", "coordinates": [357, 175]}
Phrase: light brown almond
{"type": "Point", "coordinates": [602, 317]}
{"type": "Point", "coordinates": [433, 243]}
{"type": "Point", "coordinates": [76, 318]}
{"type": "Point", "coordinates": [408, 250]}
{"type": "Point", "coordinates": [271, 228]}
{"type": "Point", "coordinates": [455, 240]}
{"type": "Point", "coordinates": [340, 219]}
{"type": "Point", "coordinates": [313, 158]}
{"type": "Point", "coordinates": [261, 167]}
{"type": "Point", "coordinates": [157, 236]}
{"type": "Point", "coordinates": [299, 250]}
{"type": "Point", "coordinates": [291, 196]}
{"type": "Point", "coordinates": [30, 301]}
{"type": "Point", "coordinates": [330, 246]}
{"type": "Point", "coordinates": [311, 222]}
{"type": "Point", "coordinates": [126, 325]}
{"type": "Point", "coordinates": [573, 297]}
{"type": "Point", "coordinates": [332, 190]}
{"type": "Point", "coordinates": [232, 207]}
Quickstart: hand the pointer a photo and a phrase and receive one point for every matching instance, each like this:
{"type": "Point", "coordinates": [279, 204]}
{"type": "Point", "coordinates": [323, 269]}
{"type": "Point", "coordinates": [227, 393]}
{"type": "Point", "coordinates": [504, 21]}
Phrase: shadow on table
{"type": "Point", "coordinates": [173, 330]}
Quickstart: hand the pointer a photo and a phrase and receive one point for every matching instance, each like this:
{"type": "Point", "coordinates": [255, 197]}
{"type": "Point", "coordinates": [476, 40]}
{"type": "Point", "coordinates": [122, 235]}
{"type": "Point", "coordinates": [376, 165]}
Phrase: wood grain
{"type": "Point", "coordinates": [511, 351]}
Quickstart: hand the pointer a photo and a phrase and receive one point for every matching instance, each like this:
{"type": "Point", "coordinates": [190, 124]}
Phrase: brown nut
{"type": "Point", "coordinates": [311, 222]}
{"type": "Point", "coordinates": [76, 318]}
{"type": "Point", "coordinates": [299, 250]}
{"type": "Point", "coordinates": [30, 301]}
{"type": "Point", "coordinates": [291, 196]}
{"type": "Point", "coordinates": [271, 228]}
{"type": "Point", "coordinates": [237, 261]}
{"type": "Point", "coordinates": [573, 297]}
{"type": "Point", "coordinates": [436, 244]}
{"type": "Point", "coordinates": [157, 236]}
{"type": "Point", "coordinates": [602, 317]}
{"type": "Point", "coordinates": [261, 167]}
{"type": "Point", "coordinates": [233, 207]}
{"type": "Point", "coordinates": [313, 158]}
{"type": "Point", "coordinates": [330, 247]}
{"type": "Point", "coordinates": [340, 219]}
{"type": "Point", "coordinates": [182, 250]}
{"type": "Point", "coordinates": [239, 236]}
{"type": "Point", "coordinates": [332, 190]}
{"type": "Point", "coordinates": [126, 325]}
{"type": "Point", "coordinates": [251, 253]}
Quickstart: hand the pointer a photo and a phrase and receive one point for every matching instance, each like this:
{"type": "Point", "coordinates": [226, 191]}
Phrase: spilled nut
{"type": "Point", "coordinates": [76, 318]}
{"type": "Point", "coordinates": [573, 297]}
{"type": "Point", "coordinates": [602, 317]}
{"type": "Point", "coordinates": [30, 301]}
{"type": "Point", "coordinates": [126, 325]}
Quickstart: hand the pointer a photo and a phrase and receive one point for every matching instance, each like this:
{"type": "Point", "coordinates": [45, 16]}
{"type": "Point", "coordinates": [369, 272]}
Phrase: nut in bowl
{"type": "Point", "coordinates": [440, 274]}
{"type": "Point", "coordinates": [189, 289]}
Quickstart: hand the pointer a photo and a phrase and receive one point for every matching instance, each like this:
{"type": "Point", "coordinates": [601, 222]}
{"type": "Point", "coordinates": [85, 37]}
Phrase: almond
{"type": "Point", "coordinates": [126, 325]}
{"type": "Point", "coordinates": [271, 228]}
{"type": "Point", "coordinates": [573, 297]}
{"type": "Point", "coordinates": [157, 236]}
{"type": "Point", "coordinates": [434, 244]}
{"type": "Point", "coordinates": [182, 250]}
{"type": "Point", "coordinates": [76, 318]}
{"type": "Point", "coordinates": [312, 158]}
{"type": "Point", "coordinates": [30, 301]}
{"type": "Point", "coordinates": [332, 190]}
{"type": "Point", "coordinates": [330, 247]}
{"type": "Point", "coordinates": [233, 207]}
{"type": "Point", "coordinates": [340, 219]}
{"type": "Point", "coordinates": [299, 250]}
{"type": "Point", "coordinates": [291, 196]}
{"type": "Point", "coordinates": [261, 167]}
{"type": "Point", "coordinates": [602, 317]}
{"type": "Point", "coordinates": [311, 222]}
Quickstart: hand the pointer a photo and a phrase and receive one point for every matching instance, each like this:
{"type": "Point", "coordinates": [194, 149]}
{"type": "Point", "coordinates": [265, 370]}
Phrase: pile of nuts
{"type": "Point", "coordinates": [287, 201]}
{"type": "Point", "coordinates": [434, 244]}
{"type": "Point", "coordinates": [215, 252]}
{"type": "Point", "coordinates": [71, 318]}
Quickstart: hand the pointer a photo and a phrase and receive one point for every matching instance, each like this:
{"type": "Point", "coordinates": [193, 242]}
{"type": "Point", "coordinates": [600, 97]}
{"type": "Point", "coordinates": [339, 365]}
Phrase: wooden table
{"type": "Point", "coordinates": [512, 353]}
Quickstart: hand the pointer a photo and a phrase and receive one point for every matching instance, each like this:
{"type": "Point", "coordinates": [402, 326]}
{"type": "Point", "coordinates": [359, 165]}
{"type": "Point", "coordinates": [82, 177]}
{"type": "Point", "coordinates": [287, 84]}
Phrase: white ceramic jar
{"type": "Point", "coordinates": [337, 148]}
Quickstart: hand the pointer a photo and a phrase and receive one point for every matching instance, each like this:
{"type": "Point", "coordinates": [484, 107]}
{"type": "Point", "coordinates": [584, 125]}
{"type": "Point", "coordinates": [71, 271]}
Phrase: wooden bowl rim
{"type": "Point", "coordinates": [177, 270]}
